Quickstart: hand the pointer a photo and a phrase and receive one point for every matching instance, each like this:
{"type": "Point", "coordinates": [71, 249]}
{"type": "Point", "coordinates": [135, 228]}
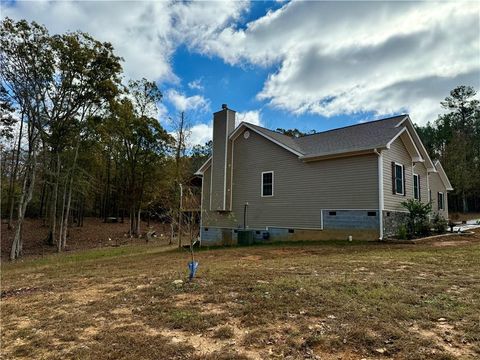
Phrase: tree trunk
{"type": "Point", "coordinates": [67, 216]}
{"type": "Point", "coordinates": [11, 193]}
{"type": "Point", "coordinates": [180, 217]}
{"type": "Point", "coordinates": [132, 221]}
{"type": "Point", "coordinates": [11, 197]}
{"type": "Point", "coordinates": [62, 217]}
{"type": "Point", "coordinates": [52, 236]}
{"type": "Point", "coordinates": [137, 228]}
{"type": "Point", "coordinates": [106, 205]}
{"type": "Point", "coordinates": [46, 210]}
{"type": "Point", "coordinates": [464, 202]}
{"type": "Point", "coordinates": [25, 198]}
{"type": "Point", "coordinates": [63, 236]}
{"type": "Point", "coordinates": [42, 199]}
{"type": "Point", "coordinates": [82, 210]}
{"type": "Point", "coordinates": [179, 229]}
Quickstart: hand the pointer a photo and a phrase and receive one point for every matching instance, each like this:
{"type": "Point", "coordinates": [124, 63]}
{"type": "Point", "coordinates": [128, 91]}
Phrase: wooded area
{"type": "Point", "coordinates": [77, 142]}
{"type": "Point", "coordinates": [454, 139]}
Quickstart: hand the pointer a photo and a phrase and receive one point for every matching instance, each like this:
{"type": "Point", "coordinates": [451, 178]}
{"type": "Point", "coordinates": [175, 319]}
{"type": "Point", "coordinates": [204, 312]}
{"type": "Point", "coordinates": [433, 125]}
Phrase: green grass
{"type": "Point", "coordinates": [335, 298]}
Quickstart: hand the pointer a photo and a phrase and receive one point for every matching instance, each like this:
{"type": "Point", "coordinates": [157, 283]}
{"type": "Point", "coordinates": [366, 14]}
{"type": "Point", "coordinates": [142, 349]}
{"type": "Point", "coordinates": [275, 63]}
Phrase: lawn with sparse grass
{"type": "Point", "coordinates": [298, 301]}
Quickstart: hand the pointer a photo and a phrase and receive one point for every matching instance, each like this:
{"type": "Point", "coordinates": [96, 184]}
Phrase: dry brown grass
{"type": "Point", "coordinates": [326, 300]}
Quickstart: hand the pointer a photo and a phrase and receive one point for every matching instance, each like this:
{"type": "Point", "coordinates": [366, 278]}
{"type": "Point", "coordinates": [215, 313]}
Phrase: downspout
{"type": "Point", "coordinates": [380, 191]}
{"type": "Point", "coordinates": [245, 207]}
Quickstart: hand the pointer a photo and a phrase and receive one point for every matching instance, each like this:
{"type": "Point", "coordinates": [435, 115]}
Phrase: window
{"type": "Point", "coordinates": [416, 186]}
{"type": "Point", "coordinates": [430, 195]}
{"type": "Point", "coordinates": [267, 183]}
{"type": "Point", "coordinates": [398, 171]}
{"type": "Point", "coordinates": [441, 201]}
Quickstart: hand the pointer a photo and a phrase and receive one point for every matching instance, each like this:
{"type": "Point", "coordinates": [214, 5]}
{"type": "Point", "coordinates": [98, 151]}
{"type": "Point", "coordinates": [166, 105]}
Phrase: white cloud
{"type": "Point", "coordinates": [187, 103]}
{"type": "Point", "coordinates": [196, 85]}
{"type": "Point", "coordinates": [349, 57]}
{"type": "Point", "coordinates": [329, 58]}
{"type": "Point", "coordinates": [200, 134]}
{"type": "Point", "coordinates": [145, 33]}
{"type": "Point", "coordinates": [252, 117]}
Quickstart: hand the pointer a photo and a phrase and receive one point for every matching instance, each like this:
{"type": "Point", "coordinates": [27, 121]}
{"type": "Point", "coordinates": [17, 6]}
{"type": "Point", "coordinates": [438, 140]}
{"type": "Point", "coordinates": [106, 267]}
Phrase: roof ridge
{"type": "Point", "coordinates": [353, 125]}
{"type": "Point", "coordinates": [273, 131]}
{"type": "Point", "coordinates": [325, 131]}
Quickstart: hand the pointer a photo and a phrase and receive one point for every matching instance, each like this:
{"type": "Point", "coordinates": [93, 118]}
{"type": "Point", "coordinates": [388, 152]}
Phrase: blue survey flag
{"type": "Point", "coordinates": [192, 266]}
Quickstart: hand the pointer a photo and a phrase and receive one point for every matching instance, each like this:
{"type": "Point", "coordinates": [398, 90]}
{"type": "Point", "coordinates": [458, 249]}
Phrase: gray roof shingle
{"type": "Point", "coordinates": [368, 135]}
{"type": "Point", "coordinates": [281, 138]}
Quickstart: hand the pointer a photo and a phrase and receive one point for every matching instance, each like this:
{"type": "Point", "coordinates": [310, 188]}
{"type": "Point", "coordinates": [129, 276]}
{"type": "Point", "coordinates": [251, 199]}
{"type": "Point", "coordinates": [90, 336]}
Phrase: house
{"type": "Point", "coordinates": [334, 184]}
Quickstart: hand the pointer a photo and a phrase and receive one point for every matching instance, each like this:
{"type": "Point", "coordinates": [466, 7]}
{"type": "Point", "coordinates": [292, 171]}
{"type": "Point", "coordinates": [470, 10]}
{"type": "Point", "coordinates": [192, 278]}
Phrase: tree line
{"type": "Point", "coordinates": [454, 139]}
{"type": "Point", "coordinates": [77, 139]}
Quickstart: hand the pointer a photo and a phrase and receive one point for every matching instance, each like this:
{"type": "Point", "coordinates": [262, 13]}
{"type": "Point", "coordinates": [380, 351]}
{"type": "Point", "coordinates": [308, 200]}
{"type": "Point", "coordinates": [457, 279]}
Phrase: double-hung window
{"type": "Point", "coordinates": [441, 201]}
{"type": "Point", "coordinates": [398, 179]}
{"type": "Point", "coordinates": [416, 186]}
{"type": "Point", "coordinates": [267, 183]}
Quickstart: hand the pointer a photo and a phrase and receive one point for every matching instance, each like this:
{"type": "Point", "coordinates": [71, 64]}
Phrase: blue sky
{"type": "Point", "coordinates": [305, 65]}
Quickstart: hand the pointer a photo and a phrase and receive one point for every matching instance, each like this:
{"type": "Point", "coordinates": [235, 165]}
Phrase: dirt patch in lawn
{"type": "Point", "coordinates": [451, 243]}
{"type": "Point", "coordinates": [251, 258]}
{"type": "Point", "coordinates": [445, 336]}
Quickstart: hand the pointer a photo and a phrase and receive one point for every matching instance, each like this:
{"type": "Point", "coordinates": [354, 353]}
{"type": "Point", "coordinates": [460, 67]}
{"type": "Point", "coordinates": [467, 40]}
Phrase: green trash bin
{"type": "Point", "coordinates": [246, 237]}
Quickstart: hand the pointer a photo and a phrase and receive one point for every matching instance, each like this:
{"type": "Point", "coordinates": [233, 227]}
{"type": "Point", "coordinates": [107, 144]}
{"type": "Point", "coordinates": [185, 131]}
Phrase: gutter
{"type": "Point", "coordinates": [333, 155]}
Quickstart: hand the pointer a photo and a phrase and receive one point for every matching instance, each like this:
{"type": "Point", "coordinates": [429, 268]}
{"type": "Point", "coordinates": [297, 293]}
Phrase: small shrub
{"type": "Point", "coordinates": [402, 232]}
{"type": "Point", "coordinates": [423, 228]}
{"type": "Point", "coordinates": [439, 224]}
{"type": "Point", "coordinates": [417, 216]}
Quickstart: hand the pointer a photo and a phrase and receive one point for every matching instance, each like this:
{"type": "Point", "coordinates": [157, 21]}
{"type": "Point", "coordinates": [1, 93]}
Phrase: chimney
{"type": "Point", "coordinates": [223, 126]}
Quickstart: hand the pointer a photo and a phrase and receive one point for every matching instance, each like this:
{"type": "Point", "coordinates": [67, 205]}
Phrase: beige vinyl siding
{"type": "Point", "coordinates": [420, 169]}
{"type": "Point", "coordinates": [399, 154]}
{"type": "Point", "coordinates": [301, 189]}
{"type": "Point", "coordinates": [436, 185]}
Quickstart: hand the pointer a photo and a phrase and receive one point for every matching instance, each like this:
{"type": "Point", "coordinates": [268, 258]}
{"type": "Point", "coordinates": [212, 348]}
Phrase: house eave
{"type": "Point", "coordinates": [443, 175]}
{"type": "Point", "coordinates": [336, 155]}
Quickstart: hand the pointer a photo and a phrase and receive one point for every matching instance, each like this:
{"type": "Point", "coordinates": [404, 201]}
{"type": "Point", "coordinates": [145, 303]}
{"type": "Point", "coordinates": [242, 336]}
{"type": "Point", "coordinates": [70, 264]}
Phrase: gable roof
{"type": "Point", "coordinates": [351, 139]}
{"type": "Point", "coordinates": [345, 141]}
{"type": "Point", "coordinates": [369, 135]}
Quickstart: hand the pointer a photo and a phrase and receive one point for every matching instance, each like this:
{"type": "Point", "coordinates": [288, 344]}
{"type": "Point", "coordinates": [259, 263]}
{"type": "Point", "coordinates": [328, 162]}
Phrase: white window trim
{"type": "Point", "coordinates": [440, 194]}
{"type": "Point", "coordinates": [273, 182]}
{"type": "Point", "coordinates": [403, 179]}
{"type": "Point", "coordinates": [418, 186]}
